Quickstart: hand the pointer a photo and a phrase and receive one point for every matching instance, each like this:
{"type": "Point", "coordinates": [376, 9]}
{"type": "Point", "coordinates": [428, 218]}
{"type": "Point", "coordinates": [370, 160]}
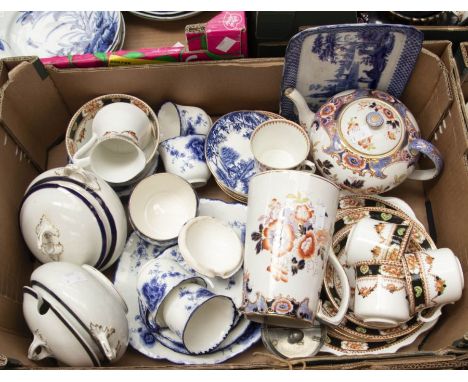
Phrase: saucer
{"type": "Point", "coordinates": [353, 336]}
{"type": "Point", "coordinates": [228, 153]}
{"type": "Point", "coordinates": [162, 345]}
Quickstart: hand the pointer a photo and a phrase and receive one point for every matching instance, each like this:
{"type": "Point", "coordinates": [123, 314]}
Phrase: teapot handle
{"type": "Point", "coordinates": [338, 317]}
{"type": "Point", "coordinates": [432, 153]}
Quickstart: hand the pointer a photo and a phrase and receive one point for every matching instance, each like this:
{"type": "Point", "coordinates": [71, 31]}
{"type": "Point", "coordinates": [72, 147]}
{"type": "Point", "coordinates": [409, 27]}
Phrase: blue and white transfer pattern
{"type": "Point", "coordinates": [193, 124]}
{"type": "Point", "coordinates": [58, 33]}
{"type": "Point", "coordinates": [228, 152]}
{"type": "Point", "coordinates": [321, 62]}
{"type": "Point", "coordinates": [187, 158]}
{"type": "Point", "coordinates": [164, 344]}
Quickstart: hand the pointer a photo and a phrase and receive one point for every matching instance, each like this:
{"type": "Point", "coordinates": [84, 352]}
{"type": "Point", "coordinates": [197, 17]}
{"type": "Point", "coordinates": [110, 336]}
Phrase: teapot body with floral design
{"type": "Point", "coordinates": [366, 141]}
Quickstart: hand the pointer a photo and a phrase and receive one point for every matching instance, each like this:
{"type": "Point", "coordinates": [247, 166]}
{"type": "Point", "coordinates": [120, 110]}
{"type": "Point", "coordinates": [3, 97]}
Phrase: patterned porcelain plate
{"type": "Point", "coordinates": [321, 62]}
{"type": "Point", "coordinates": [227, 150]}
{"type": "Point", "coordinates": [352, 334]}
{"type": "Point", "coordinates": [58, 33]}
{"type": "Point", "coordinates": [163, 345]}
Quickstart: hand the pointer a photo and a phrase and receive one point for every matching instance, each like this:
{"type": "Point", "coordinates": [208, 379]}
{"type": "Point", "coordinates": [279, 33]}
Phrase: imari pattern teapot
{"type": "Point", "coordinates": [366, 141]}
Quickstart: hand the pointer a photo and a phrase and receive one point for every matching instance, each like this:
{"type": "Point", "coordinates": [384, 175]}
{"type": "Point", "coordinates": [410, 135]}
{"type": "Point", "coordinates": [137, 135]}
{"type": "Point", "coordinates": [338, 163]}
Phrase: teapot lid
{"type": "Point", "coordinates": [371, 127]}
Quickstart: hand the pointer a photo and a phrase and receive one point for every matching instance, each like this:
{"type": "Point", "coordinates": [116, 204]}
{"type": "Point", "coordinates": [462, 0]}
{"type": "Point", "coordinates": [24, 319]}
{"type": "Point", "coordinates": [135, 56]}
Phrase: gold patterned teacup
{"type": "Point", "coordinates": [375, 240]}
{"type": "Point", "coordinates": [434, 278]}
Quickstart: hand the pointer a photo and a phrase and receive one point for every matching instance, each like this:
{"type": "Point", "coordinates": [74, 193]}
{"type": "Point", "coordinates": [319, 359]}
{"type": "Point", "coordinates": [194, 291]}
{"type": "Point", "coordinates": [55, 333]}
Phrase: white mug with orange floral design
{"type": "Point", "coordinates": [290, 223]}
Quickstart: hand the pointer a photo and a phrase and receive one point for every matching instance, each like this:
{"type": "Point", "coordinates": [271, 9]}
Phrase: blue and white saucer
{"type": "Point", "coordinates": [323, 61]}
{"type": "Point", "coordinates": [59, 33]}
{"type": "Point", "coordinates": [164, 345]}
{"type": "Point", "coordinates": [228, 153]}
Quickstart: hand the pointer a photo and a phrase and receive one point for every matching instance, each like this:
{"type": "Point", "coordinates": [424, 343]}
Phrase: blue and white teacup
{"type": "Point", "coordinates": [185, 156]}
{"type": "Point", "coordinates": [175, 120]}
{"type": "Point", "coordinates": [200, 318]}
{"type": "Point", "coordinates": [156, 279]}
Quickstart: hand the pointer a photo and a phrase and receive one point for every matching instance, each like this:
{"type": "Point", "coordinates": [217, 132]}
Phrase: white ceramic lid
{"type": "Point", "coordinates": [211, 247]}
{"type": "Point", "coordinates": [60, 224]}
{"type": "Point", "coordinates": [371, 127]}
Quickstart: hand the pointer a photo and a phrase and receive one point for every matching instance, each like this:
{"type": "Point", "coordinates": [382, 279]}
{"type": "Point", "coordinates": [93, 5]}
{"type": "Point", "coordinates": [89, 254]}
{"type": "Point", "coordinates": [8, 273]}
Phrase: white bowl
{"type": "Point", "coordinates": [106, 204]}
{"type": "Point", "coordinates": [211, 247]}
{"type": "Point", "coordinates": [89, 301]}
{"type": "Point", "coordinates": [160, 205]}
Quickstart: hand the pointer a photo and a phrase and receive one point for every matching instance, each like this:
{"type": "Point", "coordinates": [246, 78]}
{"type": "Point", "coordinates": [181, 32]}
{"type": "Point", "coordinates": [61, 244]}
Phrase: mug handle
{"type": "Point", "coordinates": [308, 165]}
{"type": "Point", "coordinates": [338, 317]}
{"type": "Point", "coordinates": [85, 148]}
{"type": "Point", "coordinates": [83, 162]}
{"type": "Point", "coordinates": [432, 153]}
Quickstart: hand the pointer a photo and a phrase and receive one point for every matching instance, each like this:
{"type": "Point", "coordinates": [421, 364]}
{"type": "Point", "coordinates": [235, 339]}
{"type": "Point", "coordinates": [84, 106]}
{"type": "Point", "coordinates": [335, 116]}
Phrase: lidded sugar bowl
{"type": "Point", "coordinates": [366, 141]}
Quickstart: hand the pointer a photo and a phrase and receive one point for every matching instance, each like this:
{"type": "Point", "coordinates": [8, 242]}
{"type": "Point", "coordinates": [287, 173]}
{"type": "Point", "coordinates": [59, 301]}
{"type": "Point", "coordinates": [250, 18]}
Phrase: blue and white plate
{"type": "Point", "coordinates": [59, 33]}
{"type": "Point", "coordinates": [321, 62]}
{"type": "Point", "coordinates": [227, 150]}
{"type": "Point", "coordinates": [164, 345]}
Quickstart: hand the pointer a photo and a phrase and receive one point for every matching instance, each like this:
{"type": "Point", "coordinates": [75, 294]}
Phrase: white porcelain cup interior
{"type": "Point", "coordinates": [115, 159]}
{"type": "Point", "coordinates": [381, 301]}
{"type": "Point", "coordinates": [211, 247]}
{"type": "Point", "coordinates": [280, 144]}
{"type": "Point", "coordinates": [184, 156]}
{"type": "Point", "coordinates": [201, 319]}
{"type": "Point", "coordinates": [119, 118]}
{"type": "Point", "coordinates": [370, 240]}
{"type": "Point", "coordinates": [161, 204]}
{"type": "Point", "coordinates": [169, 121]}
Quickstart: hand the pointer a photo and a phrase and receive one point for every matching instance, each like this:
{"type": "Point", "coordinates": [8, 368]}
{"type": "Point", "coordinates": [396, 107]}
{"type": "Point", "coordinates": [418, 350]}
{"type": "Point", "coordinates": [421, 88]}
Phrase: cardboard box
{"type": "Point", "coordinates": [36, 104]}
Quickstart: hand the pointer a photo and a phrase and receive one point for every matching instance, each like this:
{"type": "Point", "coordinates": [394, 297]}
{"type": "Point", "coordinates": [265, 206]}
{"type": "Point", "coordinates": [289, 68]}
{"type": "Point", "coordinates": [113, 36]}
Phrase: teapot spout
{"type": "Point", "coordinates": [306, 116]}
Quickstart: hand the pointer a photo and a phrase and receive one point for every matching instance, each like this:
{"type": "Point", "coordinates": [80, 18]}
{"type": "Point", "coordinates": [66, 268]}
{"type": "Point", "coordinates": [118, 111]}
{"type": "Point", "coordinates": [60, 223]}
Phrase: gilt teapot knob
{"type": "Point", "coordinates": [374, 119]}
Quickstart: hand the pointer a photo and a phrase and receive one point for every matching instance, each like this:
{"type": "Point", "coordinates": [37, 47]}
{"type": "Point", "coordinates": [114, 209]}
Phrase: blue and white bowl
{"type": "Point", "coordinates": [185, 156]}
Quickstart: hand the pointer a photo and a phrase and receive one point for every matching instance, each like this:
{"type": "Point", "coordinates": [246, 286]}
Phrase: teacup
{"type": "Point", "coordinates": [371, 240]}
{"type": "Point", "coordinates": [279, 144]}
{"type": "Point", "coordinates": [185, 156]}
{"type": "Point", "coordinates": [380, 294]}
{"type": "Point", "coordinates": [119, 119]}
{"type": "Point", "coordinates": [200, 318]}
{"type": "Point", "coordinates": [434, 278]}
{"type": "Point", "coordinates": [175, 120]}
{"type": "Point", "coordinates": [211, 247]}
{"type": "Point", "coordinates": [115, 158]}
{"type": "Point", "coordinates": [159, 206]}
{"type": "Point", "coordinates": [156, 279]}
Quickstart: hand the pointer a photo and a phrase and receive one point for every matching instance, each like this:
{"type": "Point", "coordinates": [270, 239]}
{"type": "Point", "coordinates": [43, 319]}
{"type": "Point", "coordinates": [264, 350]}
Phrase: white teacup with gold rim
{"type": "Point", "coordinates": [279, 144]}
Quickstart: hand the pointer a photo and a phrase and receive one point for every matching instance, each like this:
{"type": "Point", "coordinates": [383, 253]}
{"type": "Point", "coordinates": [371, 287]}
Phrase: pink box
{"type": "Point", "coordinates": [224, 34]}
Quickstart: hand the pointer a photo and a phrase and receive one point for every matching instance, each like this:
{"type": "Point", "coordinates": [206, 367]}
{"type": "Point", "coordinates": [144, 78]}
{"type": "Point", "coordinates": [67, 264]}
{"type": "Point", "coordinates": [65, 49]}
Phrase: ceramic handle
{"type": "Point", "coordinates": [38, 349]}
{"type": "Point", "coordinates": [85, 148]}
{"type": "Point", "coordinates": [101, 335]}
{"type": "Point", "coordinates": [433, 317]}
{"type": "Point", "coordinates": [308, 165]}
{"type": "Point", "coordinates": [432, 153]}
{"type": "Point", "coordinates": [81, 175]}
{"type": "Point", "coordinates": [83, 162]}
{"type": "Point", "coordinates": [338, 317]}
